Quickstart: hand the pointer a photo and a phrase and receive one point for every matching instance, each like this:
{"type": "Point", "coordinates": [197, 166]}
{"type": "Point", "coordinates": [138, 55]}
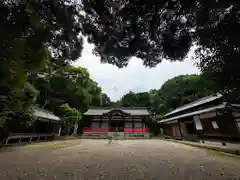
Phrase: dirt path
{"type": "Point", "coordinates": [123, 160]}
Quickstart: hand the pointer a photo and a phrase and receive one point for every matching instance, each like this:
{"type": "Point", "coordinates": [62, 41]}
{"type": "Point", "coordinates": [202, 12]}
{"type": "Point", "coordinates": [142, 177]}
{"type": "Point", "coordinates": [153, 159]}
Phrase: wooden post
{"type": "Point", "coordinates": [75, 129]}
{"type": "Point", "coordinates": [6, 141]}
{"type": "Point", "coordinates": [59, 130]}
{"type": "Point", "coordinates": [100, 123]}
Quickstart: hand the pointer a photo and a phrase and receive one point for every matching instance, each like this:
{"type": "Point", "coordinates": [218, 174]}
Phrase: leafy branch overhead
{"type": "Point", "coordinates": [157, 30]}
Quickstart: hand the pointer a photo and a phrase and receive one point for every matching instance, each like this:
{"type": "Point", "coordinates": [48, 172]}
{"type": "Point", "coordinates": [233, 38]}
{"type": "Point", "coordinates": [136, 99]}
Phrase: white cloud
{"type": "Point", "coordinates": [135, 77]}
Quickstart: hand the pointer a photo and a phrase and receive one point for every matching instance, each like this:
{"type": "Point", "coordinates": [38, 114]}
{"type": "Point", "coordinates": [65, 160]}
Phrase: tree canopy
{"type": "Point", "coordinates": [173, 93]}
{"type": "Point", "coordinates": [132, 99]}
{"type": "Point", "coordinates": [178, 91]}
{"type": "Point", "coordinates": [151, 31]}
{"type": "Point", "coordinates": [105, 100]}
{"type": "Point", "coordinates": [71, 85]}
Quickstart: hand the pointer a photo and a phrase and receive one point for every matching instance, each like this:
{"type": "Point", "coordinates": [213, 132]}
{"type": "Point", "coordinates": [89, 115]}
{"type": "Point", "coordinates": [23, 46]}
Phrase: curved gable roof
{"type": "Point", "coordinates": [131, 111]}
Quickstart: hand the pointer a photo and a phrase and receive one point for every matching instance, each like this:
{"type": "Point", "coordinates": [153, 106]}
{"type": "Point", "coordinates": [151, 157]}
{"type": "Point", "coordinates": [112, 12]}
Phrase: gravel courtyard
{"type": "Point", "coordinates": [123, 160]}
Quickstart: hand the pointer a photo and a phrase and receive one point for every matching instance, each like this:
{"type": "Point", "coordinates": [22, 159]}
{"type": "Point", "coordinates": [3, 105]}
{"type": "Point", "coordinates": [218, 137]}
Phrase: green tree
{"type": "Point", "coordinates": [178, 91]}
{"type": "Point", "coordinates": [132, 99]}
{"type": "Point", "coordinates": [129, 100]}
{"type": "Point", "coordinates": [71, 117]}
{"type": "Point", "coordinates": [153, 31]}
{"type": "Point", "coordinates": [71, 85]}
{"type": "Point", "coordinates": [33, 23]}
{"type": "Point", "coordinates": [106, 101]}
{"type": "Point", "coordinates": [143, 99]}
{"type": "Point", "coordinates": [16, 111]}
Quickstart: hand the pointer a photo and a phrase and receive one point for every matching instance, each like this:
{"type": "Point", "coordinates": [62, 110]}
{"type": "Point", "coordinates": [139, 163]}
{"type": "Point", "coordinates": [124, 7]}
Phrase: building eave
{"type": "Point", "coordinates": [131, 111]}
{"type": "Point", "coordinates": [195, 104]}
{"type": "Point", "coordinates": [43, 114]}
{"type": "Point", "coordinates": [214, 108]}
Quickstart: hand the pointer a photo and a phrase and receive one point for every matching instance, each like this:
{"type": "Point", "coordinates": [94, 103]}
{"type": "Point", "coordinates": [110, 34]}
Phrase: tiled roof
{"type": "Point", "coordinates": [195, 103]}
{"type": "Point", "coordinates": [42, 113]}
{"type": "Point", "coordinates": [214, 108]}
{"type": "Point", "coordinates": [132, 111]}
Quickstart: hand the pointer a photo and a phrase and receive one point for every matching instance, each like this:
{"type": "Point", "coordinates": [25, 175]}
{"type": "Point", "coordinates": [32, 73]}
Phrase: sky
{"type": "Point", "coordinates": [135, 77]}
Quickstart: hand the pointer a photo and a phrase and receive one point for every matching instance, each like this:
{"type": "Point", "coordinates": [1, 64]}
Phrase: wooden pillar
{"type": "Point", "coordinates": [132, 123]}
{"type": "Point", "coordinates": [100, 122]}
{"type": "Point", "coordinates": [75, 129]}
{"type": "Point", "coordinates": [123, 123]}
{"type": "Point", "coordinates": [109, 119]}
{"type": "Point", "coordinates": [142, 121]}
{"type": "Point", "coordinates": [34, 126]}
{"type": "Point", "coordinates": [59, 130]}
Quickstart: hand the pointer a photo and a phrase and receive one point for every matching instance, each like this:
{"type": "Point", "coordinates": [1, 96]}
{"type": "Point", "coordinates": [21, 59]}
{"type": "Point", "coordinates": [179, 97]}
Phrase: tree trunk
{"type": "Point", "coordinates": [59, 130]}
{"type": "Point", "coordinates": [75, 130]}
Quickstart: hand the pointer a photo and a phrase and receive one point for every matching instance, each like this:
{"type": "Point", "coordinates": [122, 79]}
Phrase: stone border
{"type": "Point", "coordinates": [225, 150]}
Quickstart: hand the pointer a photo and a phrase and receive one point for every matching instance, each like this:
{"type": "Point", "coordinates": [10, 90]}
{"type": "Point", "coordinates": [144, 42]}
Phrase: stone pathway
{"type": "Point", "coordinates": [122, 160]}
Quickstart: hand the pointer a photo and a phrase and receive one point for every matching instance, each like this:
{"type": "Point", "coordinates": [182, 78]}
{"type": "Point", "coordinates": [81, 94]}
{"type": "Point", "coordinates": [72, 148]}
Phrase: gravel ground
{"type": "Point", "coordinates": [123, 160]}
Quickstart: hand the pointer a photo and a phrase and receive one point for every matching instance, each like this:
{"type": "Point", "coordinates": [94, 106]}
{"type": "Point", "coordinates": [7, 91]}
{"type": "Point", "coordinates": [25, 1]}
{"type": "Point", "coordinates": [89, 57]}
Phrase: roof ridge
{"type": "Point", "coordinates": [178, 109]}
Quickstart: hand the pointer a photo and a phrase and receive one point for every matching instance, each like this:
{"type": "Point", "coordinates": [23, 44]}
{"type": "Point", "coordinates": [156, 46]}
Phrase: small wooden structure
{"type": "Point", "coordinates": [127, 122]}
{"type": "Point", "coordinates": [45, 127]}
{"type": "Point", "coordinates": [206, 118]}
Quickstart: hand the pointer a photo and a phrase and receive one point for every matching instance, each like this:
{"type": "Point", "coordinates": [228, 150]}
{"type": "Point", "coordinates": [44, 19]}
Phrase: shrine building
{"type": "Point", "coordinates": [127, 122]}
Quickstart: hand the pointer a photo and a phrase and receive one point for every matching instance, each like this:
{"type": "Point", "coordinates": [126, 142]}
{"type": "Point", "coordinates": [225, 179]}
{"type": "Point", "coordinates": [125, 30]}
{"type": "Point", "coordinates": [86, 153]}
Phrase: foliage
{"type": "Point", "coordinates": [178, 91]}
{"type": "Point", "coordinates": [70, 116]}
{"type": "Point", "coordinates": [16, 109]}
{"type": "Point", "coordinates": [116, 104]}
{"type": "Point", "coordinates": [132, 99]}
{"type": "Point", "coordinates": [129, 99]}
{"type": "Point", "coordinates": [34, 23]}
{"type": "Point", "coordinates": [153, 31]}
{"type": "Point", "coordinates": [105, 100]}
{"type": "Point", "coordinates": [149, 30]}
{"type": "Point", "coordinates": [153, 126]}
{"type": "Point", "coordinates": [174, 92]}
{"type": "Point", "coordinates": [31, 32]}
{"type": "Point", "coordinates": [69, 84]}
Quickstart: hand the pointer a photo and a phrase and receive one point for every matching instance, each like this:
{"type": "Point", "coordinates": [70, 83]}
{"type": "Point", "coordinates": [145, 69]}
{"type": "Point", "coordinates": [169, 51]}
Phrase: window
{"type": "Point", "coordinates": [128, 125]}
{"type": "Point", "coordinates": [137, 125]}
{"type": "Point", "coordinates": [104, 125]}
{"type": "Point", "coordinates": [214, 124]}
{"type": "Point", "coordinates": [197, 123]}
